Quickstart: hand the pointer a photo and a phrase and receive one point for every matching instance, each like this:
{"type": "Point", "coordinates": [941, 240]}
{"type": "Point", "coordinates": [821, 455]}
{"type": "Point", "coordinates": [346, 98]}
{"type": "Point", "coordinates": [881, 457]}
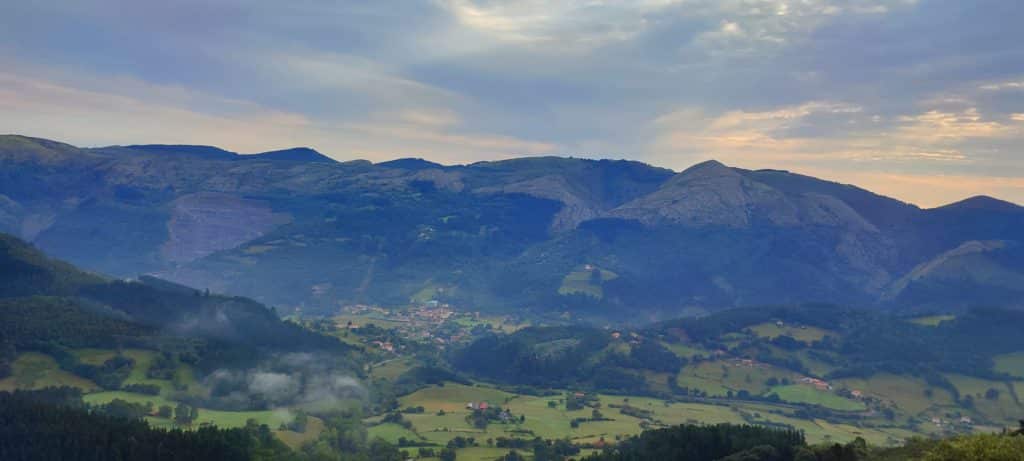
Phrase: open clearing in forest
{"type": "Point", "coordinates": [33, 370]}
{"type": "Point", "coordinates": [802, 393]}
{"type": "Point", "coordinates": [1011, 364]}
{"type": "Point", "coordinates": [806, 334]}
{"type": "Point", "coordinates": [554, 422]}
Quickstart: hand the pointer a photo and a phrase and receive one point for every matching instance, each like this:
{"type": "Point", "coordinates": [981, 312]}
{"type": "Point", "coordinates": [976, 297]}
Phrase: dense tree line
{"type": "Point", "coordinates": [870, 341]}
{"type": "Point", "coordinates": [87, 310]}
{"type": "Point", "coordinates": [690, 442]}
{"type": "Point", "coordinates": [25, 322]}
{"type": "Point", "coordinates": [36, 429]}
{"type": "Point", "coordinates": [577, 356]}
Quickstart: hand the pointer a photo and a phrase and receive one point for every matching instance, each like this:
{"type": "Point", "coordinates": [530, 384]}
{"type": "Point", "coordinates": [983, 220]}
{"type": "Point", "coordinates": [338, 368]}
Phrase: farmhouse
{"type": "Point", "coordinates": [817, 383]}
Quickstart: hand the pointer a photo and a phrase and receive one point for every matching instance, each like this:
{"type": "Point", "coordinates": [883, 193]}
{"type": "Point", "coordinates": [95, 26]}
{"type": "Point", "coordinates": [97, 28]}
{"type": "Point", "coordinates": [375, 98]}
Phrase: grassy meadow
{"type": "Point", "coordinates": [542, 419]}
{"type": "Point", "coordinates": [809, 395]}
{"type": "Point", "coordinates": [32, 370]}
{"type": "Point", "coordinates": [806, 334]}
{"type": "Point", "coordinates": [1011, 364]}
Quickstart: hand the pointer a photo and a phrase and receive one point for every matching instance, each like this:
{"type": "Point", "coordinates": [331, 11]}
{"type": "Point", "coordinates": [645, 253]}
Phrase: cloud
{"type": "Point", "coordinates": [929, 190]}
{"type": "Point", "coordinates": [791, 134]}
{"type": "Point", "coordinates": [294, 379]}
{"type": "Point", "coordinates": [163, 115]}
{"type": "Point", "coordinates": [569, 23]}
{"type": "Point", "coordinates": [839, 86]}
{"type": "Point", "coordinates": [276, 387]}
{"type": "Point", "coordinates": [1015, 85]}
{"type": "Point", "coordinates": [88, 117]}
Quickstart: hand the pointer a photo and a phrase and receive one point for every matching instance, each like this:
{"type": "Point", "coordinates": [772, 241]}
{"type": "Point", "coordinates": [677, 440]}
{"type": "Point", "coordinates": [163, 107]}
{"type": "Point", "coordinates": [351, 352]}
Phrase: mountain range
{"type": "Point", "coordinates": [298, 230]}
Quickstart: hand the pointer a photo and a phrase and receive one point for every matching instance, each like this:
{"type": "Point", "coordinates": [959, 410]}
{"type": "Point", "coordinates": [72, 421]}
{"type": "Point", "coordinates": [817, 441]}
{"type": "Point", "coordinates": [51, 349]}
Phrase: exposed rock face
{"type": "Point", "coordinates": [445, 180]}
{"type": "Point", "coordinates": [712, 194]}
{"type": "Point", "coordinates": [706, 194]}
{"type": "Point", "coordinates": [206, 222]}
{"type": "Point", "coordinates": [574, 208]}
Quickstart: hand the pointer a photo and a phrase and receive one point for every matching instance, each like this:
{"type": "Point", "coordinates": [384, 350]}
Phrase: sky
{"type": "Point", "coordinates": [922, 100]}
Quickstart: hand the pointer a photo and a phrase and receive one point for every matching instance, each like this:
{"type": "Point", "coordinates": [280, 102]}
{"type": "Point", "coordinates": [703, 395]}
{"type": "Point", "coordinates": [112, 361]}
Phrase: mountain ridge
{"type": "Point", "coordinates": [500, 233]}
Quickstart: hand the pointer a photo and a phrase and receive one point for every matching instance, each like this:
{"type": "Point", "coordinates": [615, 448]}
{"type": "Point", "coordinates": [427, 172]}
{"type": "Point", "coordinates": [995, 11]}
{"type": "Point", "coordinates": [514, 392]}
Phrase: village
{"type": "Point", "coordinates": [431, 323]}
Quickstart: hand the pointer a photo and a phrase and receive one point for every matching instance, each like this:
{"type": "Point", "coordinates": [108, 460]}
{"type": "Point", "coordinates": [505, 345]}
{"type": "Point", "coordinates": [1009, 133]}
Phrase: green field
{"type": "Point", "coordinates": [542, 420]}
{"type": "Point", "coordinates": [392, 369]}
{"type": "Point", "coordinates": [932, 320]}
{"type": "Point", "coordinates": [295, 440]}
{"type": "Point", "coordinates": [801, 393]}
{"type": "Point", "coordinates": [94, 356]}
{"type": "Point", "coordinates": [815, 366]}
{"type": "Point", "coordinates": [806, 334]}
{"type": "Point", "coordinates": [905, 392]}
{"type": "Point", "coordinates": [32, 370]}
{"type": "Point", "coordinates": [391, 432]}
{"type": "Point", "coordinates": [582, 281]}
{"type": "Point", "coordinates": [484, 453]}
{"type": "Point", "coordinates": [1001, 409]}
{"type": "Point", "coordinates": [454, 397]}
{"type": "Point", "coordinates": [219, 418]}
{"type": "Point", "coordinates": [362, 320]}
{"type": "Point", "coordinates": [1011, 364]}
{"type": "Point", "coordinates": [686, 351]}
{"type": "Point", "coordinates": [718, 377]}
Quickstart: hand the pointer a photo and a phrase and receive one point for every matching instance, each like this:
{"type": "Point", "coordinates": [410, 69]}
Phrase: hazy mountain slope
{"type": "Point", "coordinates": [295, 231]}
{"type": "Point", "coordinates": [974, 273]}
{"type": "Point", "coordinates": [27, 272]}
{"type": "Point", "coordinates": [29, 278]}
{"type": "Point", "coordinates": [296, 154]}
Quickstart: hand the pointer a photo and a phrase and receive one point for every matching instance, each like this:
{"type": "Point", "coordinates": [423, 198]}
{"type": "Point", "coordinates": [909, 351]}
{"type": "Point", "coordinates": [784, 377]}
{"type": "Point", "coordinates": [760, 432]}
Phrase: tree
{"type": "Point", "coordinates": [165, 411]}
{"type": "Point", "coordinates": [513, 456]}
{"type": "Point", "coordinates": [183, 414]}
{"type": "Point", "coordinates": [967, 401]}
{"type": "Point", "coordinates": [300, 421]}
{"type": "Point", "coordinates": [982, 446]}
{"type": "Point", "coordinates": [447, 454]}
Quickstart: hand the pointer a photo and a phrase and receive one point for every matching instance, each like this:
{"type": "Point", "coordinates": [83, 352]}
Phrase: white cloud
{"type": "Point", "coordinates": [91, 117]}
{"type": "Point", "coordinates": [574, 22]}
{"type": "Point", "coordinates": [1012, 85]}
{"type": "Point", "coordinates": [766, 139]}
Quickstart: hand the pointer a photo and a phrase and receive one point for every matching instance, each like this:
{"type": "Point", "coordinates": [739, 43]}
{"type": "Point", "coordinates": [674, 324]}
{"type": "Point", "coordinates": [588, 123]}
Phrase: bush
{"type": "Point", "coordinates": [989, 447]}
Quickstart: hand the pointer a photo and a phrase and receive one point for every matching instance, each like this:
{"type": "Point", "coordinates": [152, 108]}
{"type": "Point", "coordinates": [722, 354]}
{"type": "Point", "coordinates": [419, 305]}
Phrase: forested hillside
{"type": "Point", "coordinates": [47, 300]}
{"type": "Point", "coordinates": [549, 234]}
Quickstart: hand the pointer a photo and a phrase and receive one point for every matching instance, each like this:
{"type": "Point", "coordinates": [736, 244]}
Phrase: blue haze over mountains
{"type": "Point", "coordinates": [294, 228]}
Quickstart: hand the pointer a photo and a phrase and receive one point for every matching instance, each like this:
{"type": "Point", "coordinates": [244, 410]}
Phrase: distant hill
{"type": "Point", "coordinates": [201, 152]}
{"type": "Point", "coordinates": [410, 164]}
{"type": "Point", "coordinates": [508, 234]}
{"type": "Point", "coordinates": [45, 300]}
{"type": "Point", "coordinates": [296, 154]}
